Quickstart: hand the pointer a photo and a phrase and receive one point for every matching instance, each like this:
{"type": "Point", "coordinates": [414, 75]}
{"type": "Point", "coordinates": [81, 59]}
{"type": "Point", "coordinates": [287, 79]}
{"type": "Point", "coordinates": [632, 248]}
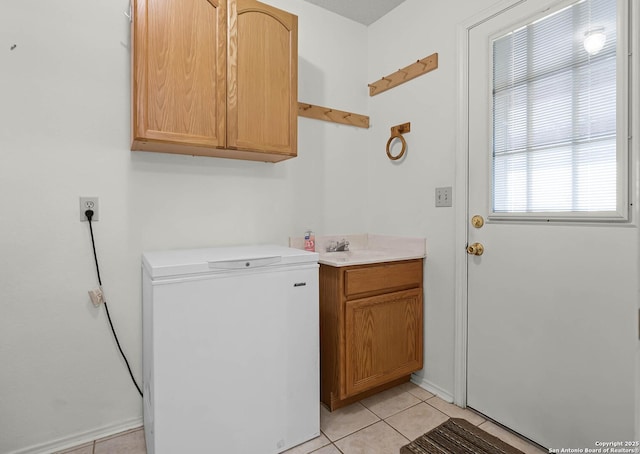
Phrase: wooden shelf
{"type": "Point", "coordinates": [405, 74]}
{"type": "Point", "coordinates": [336, 116]}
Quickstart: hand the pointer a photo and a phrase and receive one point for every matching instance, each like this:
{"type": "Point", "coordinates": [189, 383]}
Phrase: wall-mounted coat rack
{"type": "Point", "coordinates": [333, 115]}
{"type": "Point", "coordinates": [405, 74]}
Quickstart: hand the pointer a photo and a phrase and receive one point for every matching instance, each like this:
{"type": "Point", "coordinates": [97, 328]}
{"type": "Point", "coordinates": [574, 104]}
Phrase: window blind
{"type": "Point", "coordinates": [554, 114]}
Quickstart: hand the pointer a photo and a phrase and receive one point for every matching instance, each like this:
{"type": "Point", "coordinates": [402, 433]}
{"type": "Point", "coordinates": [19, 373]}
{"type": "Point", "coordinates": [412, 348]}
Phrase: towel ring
{"type": "Point", "coordinates": [404, 146]}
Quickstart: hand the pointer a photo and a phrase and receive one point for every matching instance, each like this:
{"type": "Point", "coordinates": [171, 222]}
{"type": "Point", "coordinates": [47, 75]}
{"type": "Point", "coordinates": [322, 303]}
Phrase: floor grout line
{"type": "Point", "coordinates": [400, 433]}
{"type": "Point", "coordinates": [362, 428]}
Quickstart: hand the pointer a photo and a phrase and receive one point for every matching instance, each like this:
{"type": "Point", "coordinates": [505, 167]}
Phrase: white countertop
{"type": "Point", "coordinates": [366, 248]}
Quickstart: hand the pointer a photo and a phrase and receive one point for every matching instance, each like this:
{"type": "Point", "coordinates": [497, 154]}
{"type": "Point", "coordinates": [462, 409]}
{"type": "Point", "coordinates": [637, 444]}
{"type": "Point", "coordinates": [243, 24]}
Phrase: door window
{"type": "Point", "coordinates": [557, 152]}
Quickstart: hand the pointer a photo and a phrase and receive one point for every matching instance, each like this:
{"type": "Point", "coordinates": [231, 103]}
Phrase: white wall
{"type": "Point", "coordinates": [402, 193]}
{"type": "Point", "coordinates": [64, 133]}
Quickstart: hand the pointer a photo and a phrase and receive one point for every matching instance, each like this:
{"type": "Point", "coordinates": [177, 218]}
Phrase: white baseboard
{"type": "Point", "coordinates": [81, 438]}
{"type": "Point", "coordinates": [433, 389]}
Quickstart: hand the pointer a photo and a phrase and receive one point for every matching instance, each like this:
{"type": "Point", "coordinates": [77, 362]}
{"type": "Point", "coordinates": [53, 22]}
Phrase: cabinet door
{"type": "Point", "coordinates": [383, 339]}
{"type": "Point", "coordinates": [179, 75]}
{"type": "Point", "coordinates": [262, 110]}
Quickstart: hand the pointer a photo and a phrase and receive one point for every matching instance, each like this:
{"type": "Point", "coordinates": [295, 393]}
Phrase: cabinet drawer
{"type": "Point", "coordinates": [388, 276]}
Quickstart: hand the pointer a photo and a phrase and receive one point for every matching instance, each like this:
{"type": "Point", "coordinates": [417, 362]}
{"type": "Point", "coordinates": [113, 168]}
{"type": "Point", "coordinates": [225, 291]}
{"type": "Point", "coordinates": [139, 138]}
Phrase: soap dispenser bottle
{"type": "Point", "coordinates": [309, 241]}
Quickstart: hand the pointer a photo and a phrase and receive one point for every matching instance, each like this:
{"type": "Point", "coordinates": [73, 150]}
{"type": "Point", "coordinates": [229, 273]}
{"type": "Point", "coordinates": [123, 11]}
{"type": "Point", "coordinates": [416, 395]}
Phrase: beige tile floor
{"type": "Point", "coordinates": [129, 442]}
{"type": "Point", "coordinates": [380, 424]}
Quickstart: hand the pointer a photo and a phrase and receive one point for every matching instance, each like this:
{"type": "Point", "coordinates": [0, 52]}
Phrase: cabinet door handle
{"type": "Point", "coordinates": [299, 284]}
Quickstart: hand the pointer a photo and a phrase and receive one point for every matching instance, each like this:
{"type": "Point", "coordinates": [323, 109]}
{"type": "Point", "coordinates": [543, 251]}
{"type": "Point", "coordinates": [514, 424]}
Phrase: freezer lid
{"type": "Point", "coordinates": [181, 262]}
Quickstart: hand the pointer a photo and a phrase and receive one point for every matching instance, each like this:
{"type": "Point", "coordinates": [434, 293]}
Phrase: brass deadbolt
{"type": "Point", "coordinates": [477, 221]}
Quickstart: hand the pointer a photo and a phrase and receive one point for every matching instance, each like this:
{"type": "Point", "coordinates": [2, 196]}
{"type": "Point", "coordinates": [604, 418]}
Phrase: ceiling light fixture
{"type": "Point", "coordinates": [594, 40]}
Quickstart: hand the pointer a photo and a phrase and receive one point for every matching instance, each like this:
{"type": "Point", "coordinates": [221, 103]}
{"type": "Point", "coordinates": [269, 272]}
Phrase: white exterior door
{"type": "Point", "coordinates": [552, 306]}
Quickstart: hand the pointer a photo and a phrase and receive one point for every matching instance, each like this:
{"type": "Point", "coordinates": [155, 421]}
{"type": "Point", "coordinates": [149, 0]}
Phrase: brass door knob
{"type": "Point", "coordinates": [475, 249]}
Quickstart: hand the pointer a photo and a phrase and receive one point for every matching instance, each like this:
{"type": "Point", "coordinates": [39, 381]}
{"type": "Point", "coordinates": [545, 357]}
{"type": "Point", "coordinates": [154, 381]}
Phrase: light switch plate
{"type": "Point", "coordinates": [443, 197]}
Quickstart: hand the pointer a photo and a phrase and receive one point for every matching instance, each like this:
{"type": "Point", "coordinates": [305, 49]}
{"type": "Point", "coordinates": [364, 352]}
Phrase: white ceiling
{"type": "Point", "coordinates": [364, 11]}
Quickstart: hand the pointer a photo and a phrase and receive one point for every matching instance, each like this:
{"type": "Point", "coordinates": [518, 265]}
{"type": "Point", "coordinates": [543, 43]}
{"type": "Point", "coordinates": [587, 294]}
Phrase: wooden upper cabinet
{"type": "Point", "coordinates": [179, 75]}
{"type": "Point", "coordinates": [214, 78]}
{"type": "Point", "coordinates": [262, 110]}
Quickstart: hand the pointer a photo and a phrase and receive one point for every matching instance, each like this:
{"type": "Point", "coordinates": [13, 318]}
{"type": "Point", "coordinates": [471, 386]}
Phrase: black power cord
{"type": "Point", "coordinates": [89, 215]}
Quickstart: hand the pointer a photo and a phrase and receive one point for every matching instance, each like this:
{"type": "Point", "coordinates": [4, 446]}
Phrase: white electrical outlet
{"type": "Point", "coordinates": [443, 197]}
{"type": "Point", "coordinates": [89, 203]}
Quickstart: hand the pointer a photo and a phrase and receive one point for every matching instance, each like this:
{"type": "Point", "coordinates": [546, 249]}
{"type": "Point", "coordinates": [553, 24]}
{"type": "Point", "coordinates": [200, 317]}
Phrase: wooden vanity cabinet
{"type": "Point", "coordinates": [371, 328]}
{"type": "Point", "coordinates": [214, 78]}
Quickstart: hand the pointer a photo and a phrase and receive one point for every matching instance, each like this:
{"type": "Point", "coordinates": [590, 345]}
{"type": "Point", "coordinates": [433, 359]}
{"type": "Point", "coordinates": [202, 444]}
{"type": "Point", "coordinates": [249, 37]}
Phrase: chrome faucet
{"type": "Point", "coordinates": [338, 246]}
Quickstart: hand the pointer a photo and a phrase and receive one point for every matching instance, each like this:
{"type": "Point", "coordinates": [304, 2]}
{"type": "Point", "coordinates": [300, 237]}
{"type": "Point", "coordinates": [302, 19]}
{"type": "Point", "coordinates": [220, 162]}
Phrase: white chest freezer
{"type": "Point", "coordinates": [230, 350]}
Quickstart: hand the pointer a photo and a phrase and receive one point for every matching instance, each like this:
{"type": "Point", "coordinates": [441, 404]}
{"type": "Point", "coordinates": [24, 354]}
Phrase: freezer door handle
{"type": "Point", "coordinates": [244, 263]}
{"type": "Point", "coordinates": [299, 284]}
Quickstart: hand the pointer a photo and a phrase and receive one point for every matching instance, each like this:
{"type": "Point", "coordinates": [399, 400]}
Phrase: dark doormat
{"type": "Point", "coordinates": [458, 436]}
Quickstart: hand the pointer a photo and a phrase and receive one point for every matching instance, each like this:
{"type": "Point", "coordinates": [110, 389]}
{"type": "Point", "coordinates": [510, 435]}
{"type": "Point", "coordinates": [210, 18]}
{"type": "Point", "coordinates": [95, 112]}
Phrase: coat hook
{"type": "Point", "coordinates": [347, 116]}
{"type": "Point", "coordinates": [309, 106]}
{"type": "Point", "coordinates": [404, 72]}
{"type": "Point", "coordinates": [387, 80]}
{"type": "Point", "coordinates": [328, 111]}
